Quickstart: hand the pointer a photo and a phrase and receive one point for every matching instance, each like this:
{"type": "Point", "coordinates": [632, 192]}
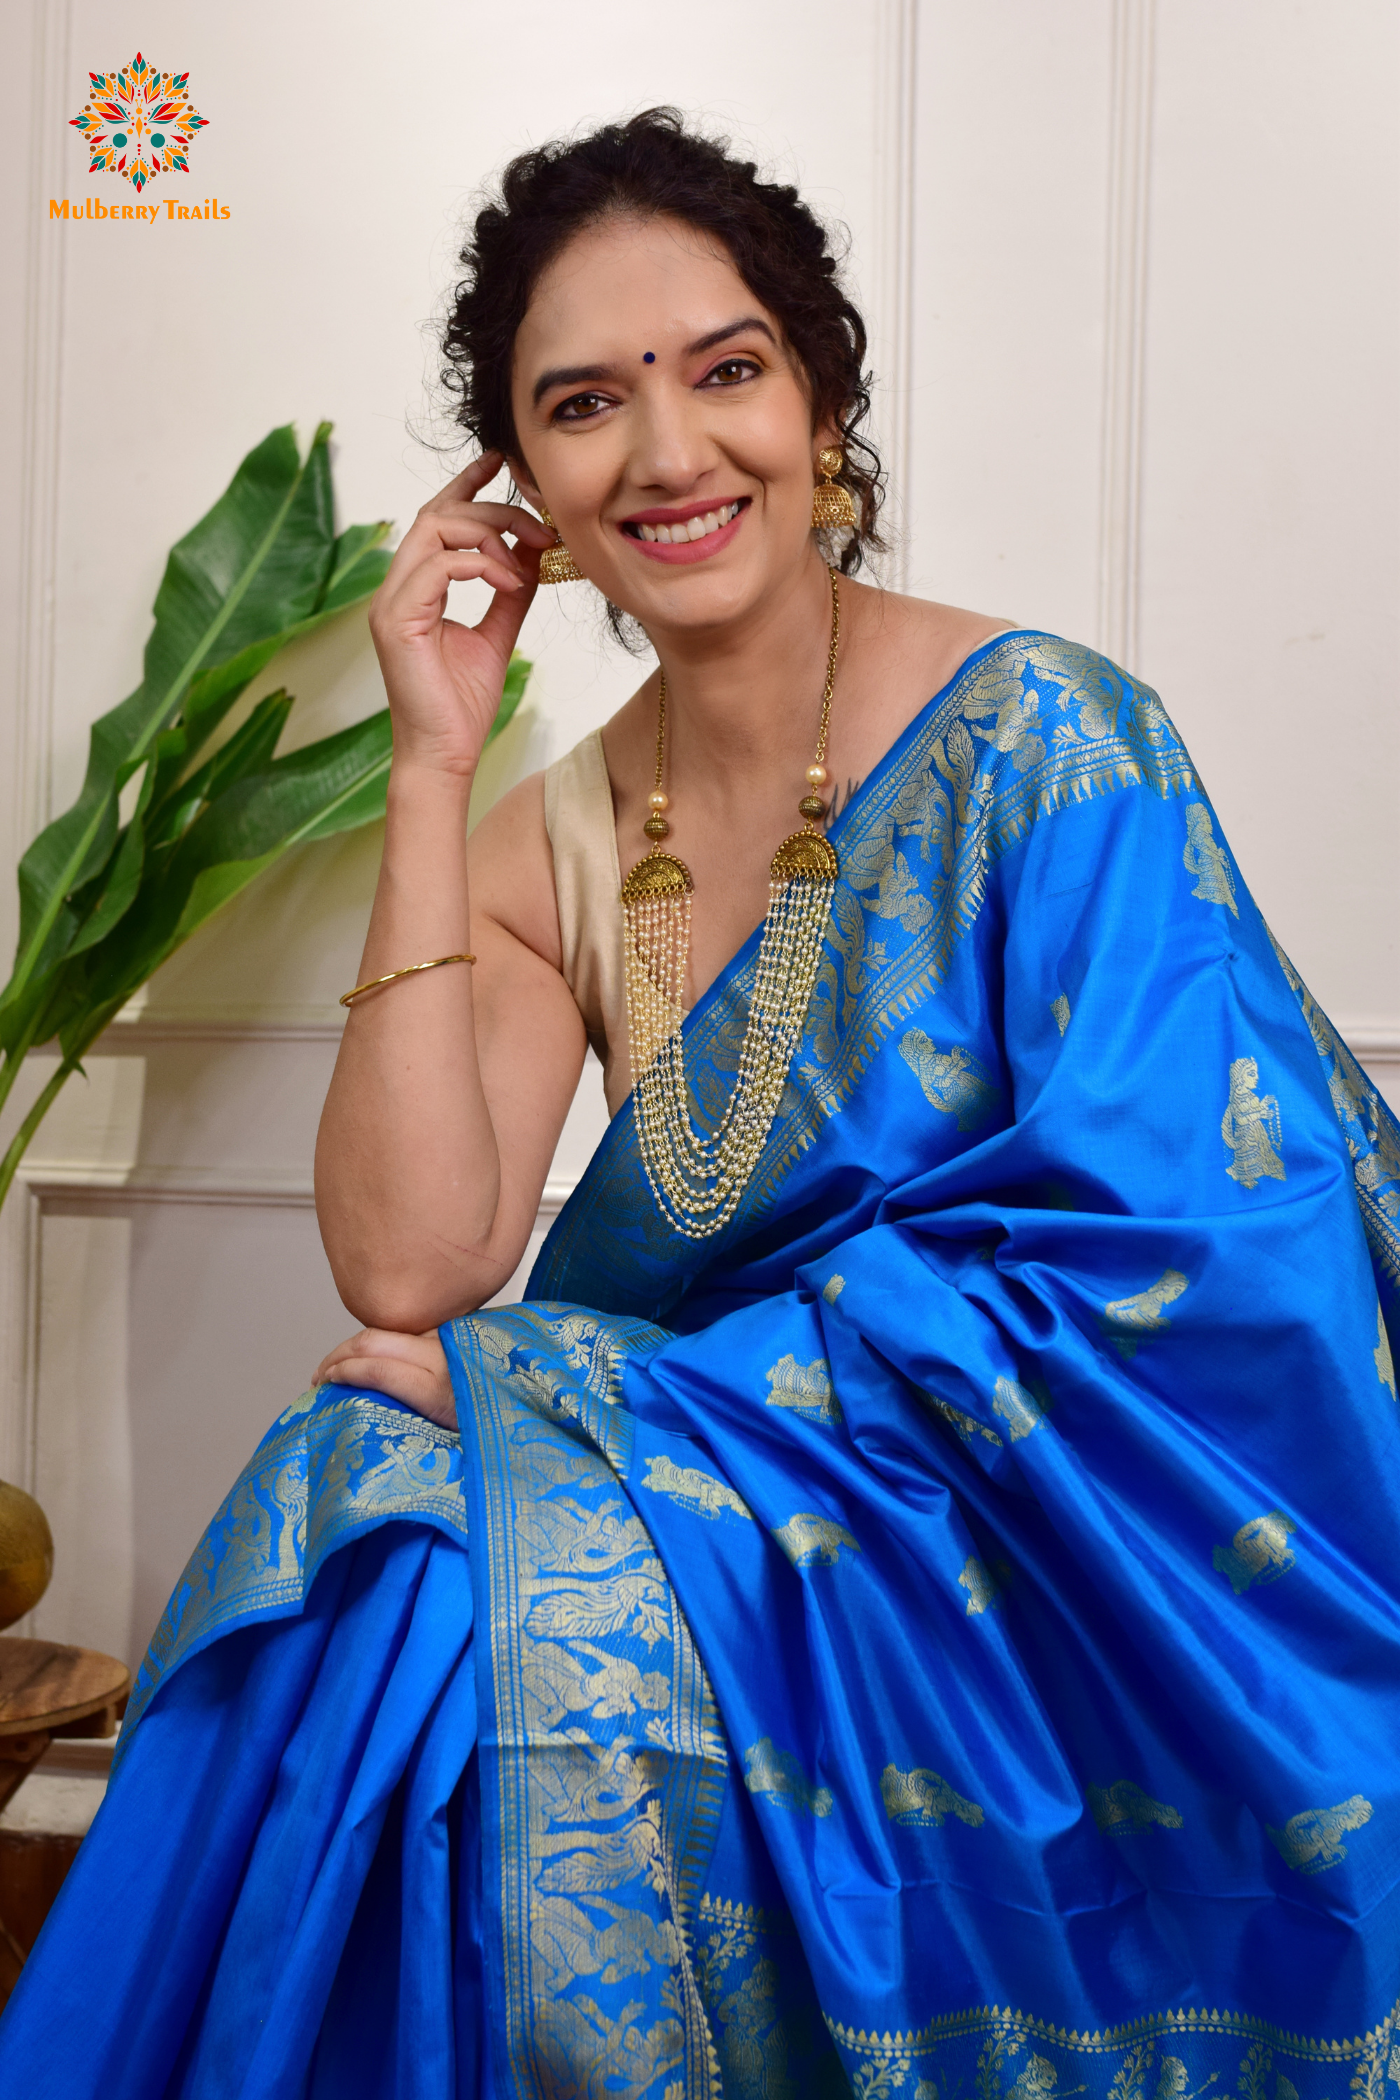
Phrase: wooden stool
{"type": "Point", "coordinates": [48, 1690]}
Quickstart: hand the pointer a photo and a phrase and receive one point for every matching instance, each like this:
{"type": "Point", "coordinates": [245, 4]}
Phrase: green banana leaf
{"type": "Point", "coordinates": [263, 566]}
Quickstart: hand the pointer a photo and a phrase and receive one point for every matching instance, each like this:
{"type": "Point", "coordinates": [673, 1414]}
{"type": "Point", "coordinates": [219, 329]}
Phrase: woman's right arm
{"type": "Point", "coordinates": [452, 1085]}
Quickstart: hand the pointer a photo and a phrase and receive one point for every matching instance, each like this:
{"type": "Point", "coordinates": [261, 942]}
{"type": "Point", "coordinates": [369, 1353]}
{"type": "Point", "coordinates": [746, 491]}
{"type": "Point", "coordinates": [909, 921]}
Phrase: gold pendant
{"type": "Point", "coordinates": [657, 875]}
{"type": "Point", "coordinates": [806, 857]}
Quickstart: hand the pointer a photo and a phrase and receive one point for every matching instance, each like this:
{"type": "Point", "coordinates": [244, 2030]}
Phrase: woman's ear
{"type": "Point", "coordinates": [520, 475]}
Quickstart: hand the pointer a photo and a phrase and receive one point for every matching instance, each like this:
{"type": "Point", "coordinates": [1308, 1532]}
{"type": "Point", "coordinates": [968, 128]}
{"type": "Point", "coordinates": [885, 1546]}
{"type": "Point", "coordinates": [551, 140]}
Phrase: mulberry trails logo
{"type": "Point", "coordinates": [137, 124]}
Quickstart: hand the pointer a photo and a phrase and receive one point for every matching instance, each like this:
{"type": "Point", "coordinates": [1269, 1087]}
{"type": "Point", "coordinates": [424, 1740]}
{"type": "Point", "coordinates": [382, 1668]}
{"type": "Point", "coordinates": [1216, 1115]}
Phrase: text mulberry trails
{"type": "Point", "coordinates": [90, 208]}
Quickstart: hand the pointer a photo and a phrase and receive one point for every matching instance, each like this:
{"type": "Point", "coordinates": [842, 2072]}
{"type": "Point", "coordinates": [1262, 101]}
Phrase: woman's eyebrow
{"type": "Point", "coordinates": [581, 375]}
{"type": "Point", "coordinates": [569, 375]}
{"type": "Point", "coordinates": [722, 335]}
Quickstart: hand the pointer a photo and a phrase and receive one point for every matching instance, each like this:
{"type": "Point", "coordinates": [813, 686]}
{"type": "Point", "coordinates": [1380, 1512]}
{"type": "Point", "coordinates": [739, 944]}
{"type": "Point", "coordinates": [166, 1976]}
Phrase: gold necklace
{"type": "Point", "coordinates": [698, 1181]}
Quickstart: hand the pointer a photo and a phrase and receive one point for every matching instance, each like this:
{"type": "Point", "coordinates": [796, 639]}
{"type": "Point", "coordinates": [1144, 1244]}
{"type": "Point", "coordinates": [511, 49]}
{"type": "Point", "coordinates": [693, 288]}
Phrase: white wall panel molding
{"type": "Point", "coordinates": [1125, 328]}
{"type": "Point", "coordinates": [42, 392]}
{"type": "Point", "coordinates": [146, 1031]}
{"type": "Point", "coordinates": [891, 311]}
{"type": "Point", "coordinates": [20, 1220]}
{"type": "Point", "coordinates": [44, 144]}
{"type": "Point", "coordinates": [80, 1186]}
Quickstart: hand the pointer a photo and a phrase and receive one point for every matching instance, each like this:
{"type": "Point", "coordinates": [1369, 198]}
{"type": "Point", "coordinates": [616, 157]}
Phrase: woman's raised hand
{"type": "Point", "coordinates": [445, 680]}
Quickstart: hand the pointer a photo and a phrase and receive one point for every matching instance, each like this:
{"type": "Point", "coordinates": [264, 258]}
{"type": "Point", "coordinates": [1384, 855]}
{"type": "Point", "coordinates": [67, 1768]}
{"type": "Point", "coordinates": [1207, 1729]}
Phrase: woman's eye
{"type": "Point", "coordinates": [579, 406]}
{"type": "Point", "coordinates": [732, 370]}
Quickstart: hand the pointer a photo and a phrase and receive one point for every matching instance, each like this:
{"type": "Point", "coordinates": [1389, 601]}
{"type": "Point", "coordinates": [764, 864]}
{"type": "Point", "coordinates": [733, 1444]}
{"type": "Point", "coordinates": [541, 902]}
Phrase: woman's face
{"type": "Point", "coordinates": [665, 424]}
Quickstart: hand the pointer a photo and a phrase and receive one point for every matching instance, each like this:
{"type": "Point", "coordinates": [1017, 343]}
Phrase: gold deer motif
{"type": "Point", "coordinates": [921, 1798]}
{"type": "Point", "coordinates": [810, 1541]}
{"type": "Point", "coordinates": [1123, 1809]}
{"type": "Point", "coordinates": [1259, 1552]}
{"type": "Point", "coordinates": [699, 1492]}
{"type": "Point", "coordinates": [778, 1776]}
{"type": "Point", "coordinates": [805, 1388]}
{"type": "Point", "coordinates": [1310, 1842]}
{"type": "Point", "coordinates": [983, 1590]}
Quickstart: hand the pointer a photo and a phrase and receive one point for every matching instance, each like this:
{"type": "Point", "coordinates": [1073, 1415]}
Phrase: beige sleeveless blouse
{"type": "Point", "coordinates": [578, 815]}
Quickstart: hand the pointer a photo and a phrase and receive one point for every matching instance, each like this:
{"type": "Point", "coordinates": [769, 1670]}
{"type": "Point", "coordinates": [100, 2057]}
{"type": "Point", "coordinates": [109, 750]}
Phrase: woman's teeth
{"type": "Point", "coordinates": [692, 529]}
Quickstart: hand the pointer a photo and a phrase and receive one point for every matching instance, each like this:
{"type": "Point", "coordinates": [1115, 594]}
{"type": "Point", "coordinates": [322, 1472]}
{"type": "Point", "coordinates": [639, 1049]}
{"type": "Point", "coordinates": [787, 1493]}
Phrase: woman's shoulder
{"type": "Point", "coordinates": [949, 640]}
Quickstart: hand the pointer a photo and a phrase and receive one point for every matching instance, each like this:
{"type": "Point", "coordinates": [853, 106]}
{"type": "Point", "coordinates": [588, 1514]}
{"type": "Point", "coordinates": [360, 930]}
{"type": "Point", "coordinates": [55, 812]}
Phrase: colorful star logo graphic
{"type": "Point", "coordinates": [138, 122]}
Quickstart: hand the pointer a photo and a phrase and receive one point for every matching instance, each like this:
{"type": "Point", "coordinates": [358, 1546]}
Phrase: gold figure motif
{"type": "Point", "coordinates": [1250, 1127]}
{"type": "Point", "coordinates": [1020, 1410]}
{"type": "Point", "coordinates": [832, 1288]}
{"type": "Point", "coordinates": [1017, 720]}
{"type": "Point", "coordinates": [810, 1541]}
{"type": "Point", "coordinates": [1385, 1362]}
{"type": "Point", "coordinates": [967, 1426]}
{"type": "Point", "coordinates": [1038, 2081]}
{"type": "Point", "coordinates": [983, 1591]}
{"type": "Point", "coordinates": [556, 1683]}
{"type": "Point", "coordinates": [777, 1774]}
{"type": "Point", "coordinates": [1125, 1810]}
{"type": "Point", "coordinates": [695, 1490]}
{"type": "Point", "coordinates": [1060, 1009]}
{"type": "Point", "coordinates": [1310, 1842]}
{"type": "Point", "coordinates": [921, 1798]}
{"type": "Point", "coordinates": [1128, 1321]}
{"type": "Point", "coordinates": [1259, 1552]}
{"type": "Point", "coordinates": [805, 1388]}
{"type": "Point", "coordinates": [951, 1080]}
{"type": "Point", "coordinates": [1207, 861]}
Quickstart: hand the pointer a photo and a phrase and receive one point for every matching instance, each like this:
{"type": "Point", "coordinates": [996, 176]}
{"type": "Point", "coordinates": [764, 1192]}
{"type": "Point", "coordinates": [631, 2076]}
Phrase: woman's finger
{"type": "Point", "coordinates": [500, 624]}
{"type": "Point", "coordinates": [504, 517]}
{"type": "Point", "coordinates": [461, 535]}
{"type": "Point", "coordinates": [415, 1387]}
{"type": "Point", "coordinates": [451, 531]}
{"type": "Point", "coordinates": [418, 598]}
{"type": "Point", "coordinates": [473, 476]}
{"type": "Point", "coordinates": [425, 1348]}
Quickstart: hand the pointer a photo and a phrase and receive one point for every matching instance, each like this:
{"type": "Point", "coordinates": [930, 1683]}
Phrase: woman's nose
{"type": "Point", "coordinates": [672, 447]}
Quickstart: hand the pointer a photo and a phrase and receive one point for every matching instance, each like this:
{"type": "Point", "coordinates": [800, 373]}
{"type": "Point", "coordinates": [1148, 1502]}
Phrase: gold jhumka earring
{"type": "Point", "coordinates": [557, 565]}
{"type": "Point", "coordinates": [698, 1181]}
{"type": "Point", "coordinates": [832, 508]}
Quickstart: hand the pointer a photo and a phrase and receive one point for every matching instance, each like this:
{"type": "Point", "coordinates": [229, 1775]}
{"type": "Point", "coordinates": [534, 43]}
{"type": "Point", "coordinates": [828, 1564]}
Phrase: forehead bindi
{"type": "Point", "coordinates": [627, 288]}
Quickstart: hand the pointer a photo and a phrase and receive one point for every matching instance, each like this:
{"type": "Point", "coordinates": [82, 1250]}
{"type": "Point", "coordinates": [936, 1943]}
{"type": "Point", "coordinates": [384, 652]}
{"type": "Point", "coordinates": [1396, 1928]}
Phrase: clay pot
{"type": "Point", "coordinates": [26, 1553]}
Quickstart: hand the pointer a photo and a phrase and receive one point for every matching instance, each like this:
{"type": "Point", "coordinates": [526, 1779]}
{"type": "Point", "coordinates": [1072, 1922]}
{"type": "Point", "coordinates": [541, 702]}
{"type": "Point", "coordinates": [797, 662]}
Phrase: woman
{"type": "Point", "coordinates": [907, 1603]}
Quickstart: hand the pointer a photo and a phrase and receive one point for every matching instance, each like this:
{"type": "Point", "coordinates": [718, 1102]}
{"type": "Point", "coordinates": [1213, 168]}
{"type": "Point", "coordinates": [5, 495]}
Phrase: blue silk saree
{"type": "Point", "coordinates": [938, 1638]}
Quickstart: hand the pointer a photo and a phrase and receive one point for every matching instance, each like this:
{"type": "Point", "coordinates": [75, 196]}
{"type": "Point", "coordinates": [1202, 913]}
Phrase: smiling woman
{"type": "Point", "coordinates": [902, 1561]}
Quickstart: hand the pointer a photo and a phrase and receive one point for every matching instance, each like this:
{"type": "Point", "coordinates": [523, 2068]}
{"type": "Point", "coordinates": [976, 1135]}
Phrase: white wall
{"type": "Point", "coordinates": [1132, 281]}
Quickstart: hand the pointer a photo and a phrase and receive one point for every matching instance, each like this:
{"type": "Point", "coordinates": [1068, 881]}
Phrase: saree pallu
{"type": "Point", "coordinates": [938, 1637]}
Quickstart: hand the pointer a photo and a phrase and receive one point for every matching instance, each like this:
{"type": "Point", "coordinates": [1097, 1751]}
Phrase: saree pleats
{"type": "Point", "coordinates": [940, 1637]}
{"type": "Point", "coordinates": [284, 1837]}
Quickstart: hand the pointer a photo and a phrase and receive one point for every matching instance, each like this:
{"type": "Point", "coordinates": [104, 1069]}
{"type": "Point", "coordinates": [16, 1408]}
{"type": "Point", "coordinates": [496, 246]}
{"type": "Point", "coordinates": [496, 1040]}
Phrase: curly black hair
{"type": "Point", "coordinates": [653, 164]}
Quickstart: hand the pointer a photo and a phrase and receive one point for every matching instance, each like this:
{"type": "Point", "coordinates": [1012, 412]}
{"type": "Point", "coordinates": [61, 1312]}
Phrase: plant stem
{"type": "Point", "coordinates": [9, 1071]}
{"type": "Point", "coordinates": [19, 1144]}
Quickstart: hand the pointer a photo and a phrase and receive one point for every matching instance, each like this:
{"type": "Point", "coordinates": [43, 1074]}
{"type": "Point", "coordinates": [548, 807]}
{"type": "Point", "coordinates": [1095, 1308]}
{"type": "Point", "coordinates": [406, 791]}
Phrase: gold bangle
{"type": "Point", "coordinates": [372, 984]}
